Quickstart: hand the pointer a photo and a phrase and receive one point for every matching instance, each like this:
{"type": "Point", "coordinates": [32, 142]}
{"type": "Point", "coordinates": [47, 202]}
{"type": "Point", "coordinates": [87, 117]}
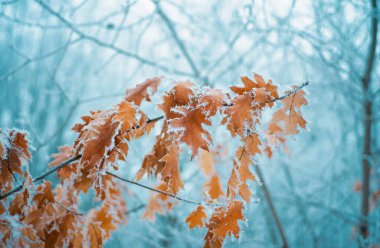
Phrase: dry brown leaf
{"type": "Point", "coordinates": [195, 219]}
{"type": "Point", "coordinates": [190, 125]}
{"type": "Point", "coordinates": [214, 188]}
{"type": "Point", "coordinates": [171, 173]}
{"type": "Point", "coordinates": [206, 162]}
{"type": "Point", "coordinates": [140, 92]}
{"type": "Point", "coordinates": [179, 95]}
{"type": "Point", "coordinates": [224, 222]}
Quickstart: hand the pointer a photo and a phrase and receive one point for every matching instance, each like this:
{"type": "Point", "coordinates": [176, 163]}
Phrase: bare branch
{"type": "Point", "coordinates": [179, 42]}
{"type": "Point", "coordinates": [107, 45]}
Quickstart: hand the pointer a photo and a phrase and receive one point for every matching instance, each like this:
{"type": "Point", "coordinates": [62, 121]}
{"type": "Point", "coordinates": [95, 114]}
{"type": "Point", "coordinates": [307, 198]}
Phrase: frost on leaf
{"type": "Point", "coordinates": [152, 164]}
{"type": "Point", "coordinates": [20, 203]}
{"type": "Point", "coordinates": [290, 116]}
{"type": "Point", "coordinates": [259, 83]}
{"type": "Point", "coordinates": [4, 144]}
{"type": "Point", "coordinates": [245, 109]}
{"type": "Point", "coordinates": [103, 140]}
{"type": "Point", "coordinates": [223, 222]}
{"type": "Point", "coordinates": [195, 219]}
{"type": "Point", "coordinates": [140, 92]}
{"type": "Point", "coordinates": [287, 120]}
{"type": "Point", "coordinates": [15, 147]}
{"type": "Point", "coordinates": [48, 211]}
{"type": "Point", "coordinates": [46, 217]}
{"type": "Point", "coordinates": [212, 100]}
{"type": "Point", "coordinates": [16, 234]}
{"type": "Point", "coordinates": [241, 173]}
{"type": "Point", "coordinates": [171, 173]}
{"type": "Point", "coordinates": [190, 125]}
{"type": "Point", "coordinates": [179, 95]}
{"type": "Point", "coordinates": [187, 109]}
{"type": "Point", "coordinates": [99, 222]}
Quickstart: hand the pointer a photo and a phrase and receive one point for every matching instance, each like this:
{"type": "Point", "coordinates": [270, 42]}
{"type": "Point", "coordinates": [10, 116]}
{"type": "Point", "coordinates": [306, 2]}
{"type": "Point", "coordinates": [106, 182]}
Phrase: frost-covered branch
{"type": "Point", "coordinates": [69, 161]}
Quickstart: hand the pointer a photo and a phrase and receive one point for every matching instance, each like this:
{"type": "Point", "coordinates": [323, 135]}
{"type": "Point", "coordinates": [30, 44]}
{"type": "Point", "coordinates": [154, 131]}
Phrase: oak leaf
{"type": "Point", "coordinates": [152, 164]}
{"type": "Point", "coordinates": [16, 155]}
{"type": "Point", "coordinates": [171, 172]}
{"type": "Point", "coordinates": [287, 119]}
{"type": "Point", "coordinates": [179, 95]}
{"type": "Point", "coordinates": [190, 125]}
{"type": "Point", "coordinates": [214, 188]}
{"type": "Point", "coordinates": [212, 101]}
{"type": "Point", "coordinates": [65, 153]}
{"type": "Point", "coordinates": [195, 219]}
{"type": "Point", "coordinates": [159, 203]}
{"type": "Point", "coordinates": [224, 222]}
{"type": "Point", "coordinates": [206, 162]}
{"type": "Point", "coordinates": [140, 92]}
{"type": "Point", "coordinates": [240, 115]}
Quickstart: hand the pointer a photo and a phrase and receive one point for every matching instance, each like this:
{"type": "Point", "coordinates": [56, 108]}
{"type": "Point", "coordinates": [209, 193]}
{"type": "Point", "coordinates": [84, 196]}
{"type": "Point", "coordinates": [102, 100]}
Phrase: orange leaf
{"type": "Point", "coordinates": [170, 172]}
{"type": "Point", "coordinates": [179, 95]}
{"type": "Point", "coordinates": [105, 218]}
{"type": "Point", "coordinates": [252, 143]}
{"type": "Point", "coordinates": [152, 164]}
{"type": "Point", "coordinates": [214, 189]}
{"type": "Point", "coordinates": [158, 203]}
{"type": "Point", "coordinates": [287, 119]}
{"type": "Point", "coordinates": [224, 222]}
{"type": "Point", "coordinates": [239, 115]}
{"type": "Point", "coordinates": [94, 236]}
{"type": "Point", "coordinates": [206, 162]}
{"type": "Point", "coordinates": [16, 153]}
{"type": "Point", "coordinates": [260, 83]}
{"type": "Point", "coordinates": [190, 125]}
{"type": "Point", "coordinates": [212, 100]}
{"type": "Point", "coordinates": [140, 92]}
{"type": "Point", "coordinates": [195, 219]}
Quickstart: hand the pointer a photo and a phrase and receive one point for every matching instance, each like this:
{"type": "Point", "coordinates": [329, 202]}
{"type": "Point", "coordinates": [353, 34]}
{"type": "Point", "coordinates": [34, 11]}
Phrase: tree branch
{"type": "Point", "coordinates": [67, 162]}
{"type": "Point", "coordinates": [107, 45]}
{"type": "Point", "coordinates": [179, 42]}
{"type": "Point", "coordinates": [367, 107]}
{"type": "Point", "coordinates": [39, 178]}
{"type": "Point", "coordinates": [272, 208]}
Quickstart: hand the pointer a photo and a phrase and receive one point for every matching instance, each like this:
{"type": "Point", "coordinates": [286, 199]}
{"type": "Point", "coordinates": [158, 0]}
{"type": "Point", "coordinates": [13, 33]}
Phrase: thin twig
{"type": "Point", "coordinates": [290, 92]}
{"type": "Point", "coordinates": [157, 190]}
{"type": "Point", "coordinates": [272, 209]}
{"type": "Point", "coordinates": [37, 179]}
{"type": "Point", "coordinates": [135, 209]}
